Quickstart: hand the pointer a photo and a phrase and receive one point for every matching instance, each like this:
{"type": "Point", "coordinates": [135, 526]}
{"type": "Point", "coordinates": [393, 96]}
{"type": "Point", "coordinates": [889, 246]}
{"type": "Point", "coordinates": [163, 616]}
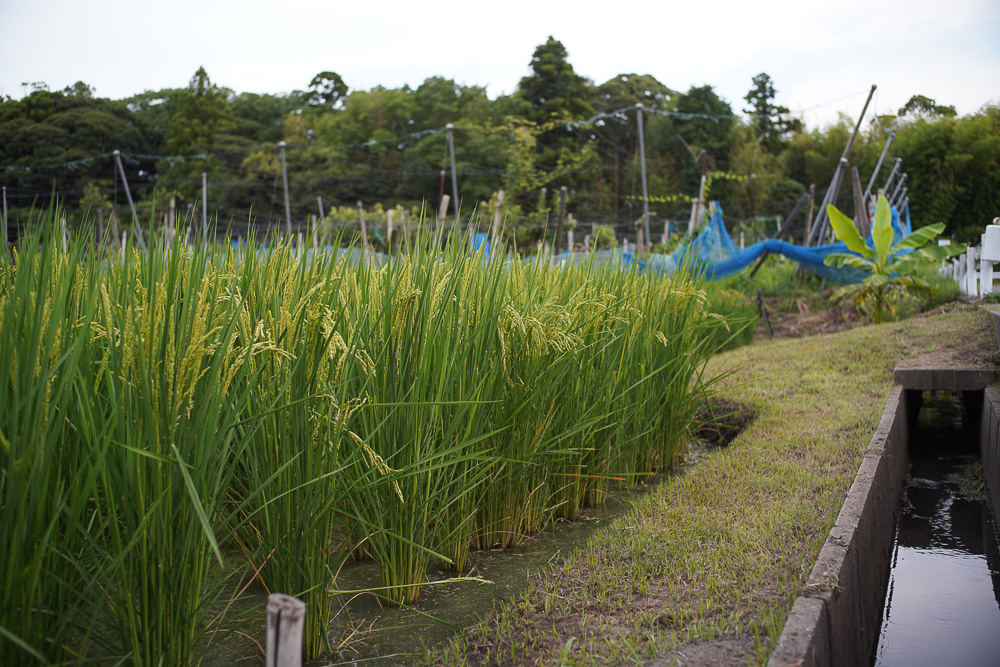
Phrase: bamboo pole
{"type": "Point", "coordinates": [642, 164]}
{"type": "Point", "coordinates": [454, 174]}
{"type": "Point", "coordinates": [128, 194]}
{"type": "Point", "coordinates": [878, 165]}
{"type": "Point", "coordinates": [819, 225]}
{"type": "Point", "coordinates": [860, 208]}
{"type": "Point", "coordinates": [284, 182]}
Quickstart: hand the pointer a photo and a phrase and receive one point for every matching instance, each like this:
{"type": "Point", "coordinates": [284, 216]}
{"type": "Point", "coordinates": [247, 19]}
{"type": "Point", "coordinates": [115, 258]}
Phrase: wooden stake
{"type": "Point", "coordinates": [204, 206]}
{"type": "Point", "coordinates": [559, 220]}
{"type": "Point", "coordinates": [496, 224]}
{"type": "Point", "coordinates": [763, 313]}
{"type": "Point", "coordinates": [285, 622]}
{"type": "Point", "coordinates": [388, 229]}
{"type": "Point", "coordinates": [364, 229]}
{"type": "Point", "coordinates": [443, 210]}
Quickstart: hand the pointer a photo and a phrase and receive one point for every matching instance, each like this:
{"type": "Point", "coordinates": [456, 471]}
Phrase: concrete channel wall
{"type": "Point", "coordinates": [989, 433]}
{"type": "Point", "coordinates": [836, 619]}
{"type": "Point", "coordinates": [989, 446]}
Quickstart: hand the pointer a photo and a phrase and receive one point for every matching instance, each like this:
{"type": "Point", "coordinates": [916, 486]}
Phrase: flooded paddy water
{"type": "Point", "coordinates": [942, 604]}
{"type": "Point", "coordinates": [370, 631]}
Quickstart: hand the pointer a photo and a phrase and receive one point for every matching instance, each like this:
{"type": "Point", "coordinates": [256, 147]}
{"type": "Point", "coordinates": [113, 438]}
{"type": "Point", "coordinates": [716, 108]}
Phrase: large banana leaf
{"type": "Point", "coordinates": [842, 258]}
{"type": "Point", "coordinates": [918, 238]}
{"type": "Point", "coordinates": [844, 229]}
{"type": "Point", "coordinates": [882, 231]}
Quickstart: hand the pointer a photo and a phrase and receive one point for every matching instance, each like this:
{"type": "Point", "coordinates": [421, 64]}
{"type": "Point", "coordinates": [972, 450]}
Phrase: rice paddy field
{"type": "Point", "coordinates": [182, 426]}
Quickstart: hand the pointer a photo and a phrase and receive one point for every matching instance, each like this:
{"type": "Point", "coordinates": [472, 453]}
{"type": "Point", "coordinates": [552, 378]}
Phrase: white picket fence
{"type": "Point", "coordinates": [973, 269]}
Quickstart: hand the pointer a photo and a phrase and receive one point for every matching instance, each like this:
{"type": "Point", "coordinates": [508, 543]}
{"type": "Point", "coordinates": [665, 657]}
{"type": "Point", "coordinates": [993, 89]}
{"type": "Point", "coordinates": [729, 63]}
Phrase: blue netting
{"type": "Point", "coordinates": [714, 252]}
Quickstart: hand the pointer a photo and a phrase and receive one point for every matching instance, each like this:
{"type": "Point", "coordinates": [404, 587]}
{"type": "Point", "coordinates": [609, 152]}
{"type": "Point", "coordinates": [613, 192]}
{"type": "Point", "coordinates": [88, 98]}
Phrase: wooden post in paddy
{"type": "Point", "coordinates": [364, 230]}
{"type": "Point", "coordinates": [443, 210]}
{"type": "Point", "coordinates": [285, 622]}
{"type": "Point", "coordinates": [559, 221]}
{"type": "Point", "coordinates": [171, 221]}
{"type": "Point", "coordinates": [496, 224]}
{"type": "Point", "coordinates": [5, 240]}
{"type": "Point", "coordinates": [389, 228]}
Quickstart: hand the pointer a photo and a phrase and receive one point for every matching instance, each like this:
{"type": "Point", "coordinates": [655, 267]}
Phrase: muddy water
{"type": "Point", "coordinates": [369, 633]}
{"type": "Point", "coordinates": [394, 636]}
{"type": "Point", "coordinates": [942, 605]}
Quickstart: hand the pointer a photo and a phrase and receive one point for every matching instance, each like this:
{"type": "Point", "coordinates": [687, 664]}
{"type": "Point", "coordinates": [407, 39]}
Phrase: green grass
{"type": "Point", "coordinates": [716, 557]}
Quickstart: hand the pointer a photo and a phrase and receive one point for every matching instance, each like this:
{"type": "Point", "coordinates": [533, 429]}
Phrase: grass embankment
{"type": "Point", "coordinates": [705, 568]}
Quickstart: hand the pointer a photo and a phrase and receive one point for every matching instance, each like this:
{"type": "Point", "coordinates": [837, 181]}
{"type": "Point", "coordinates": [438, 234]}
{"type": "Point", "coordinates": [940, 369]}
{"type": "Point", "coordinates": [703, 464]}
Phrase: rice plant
{"type": "Point", "coordinates": [178, 421]}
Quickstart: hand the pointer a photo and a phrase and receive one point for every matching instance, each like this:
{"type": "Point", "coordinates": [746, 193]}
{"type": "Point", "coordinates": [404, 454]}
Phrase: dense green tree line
{"type": "Point", "coordinates": [388, 146]}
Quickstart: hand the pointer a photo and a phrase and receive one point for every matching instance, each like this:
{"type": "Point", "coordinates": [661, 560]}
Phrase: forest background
{"type": "Point", "coordinates": [387, 147]}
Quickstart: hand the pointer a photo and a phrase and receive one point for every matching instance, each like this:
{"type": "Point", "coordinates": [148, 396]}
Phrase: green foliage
{"type": "Point", "coordinates": [768, 118]}
{"type": "Point", "coordinates": [919, 104]}
{"type": "Point", "coordinates": [889, 270]}
{"type": "Point", "coordinates": [327, 89]}
{"type": "Point", "coordinates": [553, 89]}
{"type": "Point", "coordinates": [604, 237]}
{"type": "Point", "coordinates": [954, 167]}
{"type": "Point", "coordinates": [388, 145]}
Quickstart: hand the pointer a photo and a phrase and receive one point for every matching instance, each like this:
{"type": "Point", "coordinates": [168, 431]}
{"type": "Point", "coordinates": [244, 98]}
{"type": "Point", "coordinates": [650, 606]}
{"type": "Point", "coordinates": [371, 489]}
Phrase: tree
{"type": "Point", "coordinates": [328, 90]}
{"type": "Point", "coordinates": [200, 115]}
{"type": "Point", "coordinates": [919, 105]}
{"type": "Point", "coordinates": [768, 118]}
{"type": "Point", "coordinates": [555, 93]}
{"type": "Point", "coordinates": [953, 167]}
{"type": "Point", "coordinates": [554, 90]}
{"type": "Point", "coordinates": [45, 130]}
{"type": "Point", "coordinates": [202, 111]}
{"type": "Point", "coordinates": [627, 90]}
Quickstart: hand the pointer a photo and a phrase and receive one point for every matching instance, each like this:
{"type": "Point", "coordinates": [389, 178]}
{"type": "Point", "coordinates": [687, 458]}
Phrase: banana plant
{"type": "Point", "coordinates": [890, 265]}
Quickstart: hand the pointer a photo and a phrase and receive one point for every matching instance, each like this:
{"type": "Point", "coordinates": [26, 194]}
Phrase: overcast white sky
{"type": "Point", "coordinates": [822, 57]}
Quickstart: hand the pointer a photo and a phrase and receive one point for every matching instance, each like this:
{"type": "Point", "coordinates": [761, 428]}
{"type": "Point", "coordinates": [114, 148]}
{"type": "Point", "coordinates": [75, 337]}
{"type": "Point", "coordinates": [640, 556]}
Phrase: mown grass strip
{"type": "Point", "coordinates": [707, 565]}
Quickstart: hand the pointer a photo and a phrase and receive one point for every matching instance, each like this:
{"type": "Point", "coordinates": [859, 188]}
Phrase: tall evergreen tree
{"type": "Point", "coordinates": [769, 118]}
{"type": "Point", "coordinates": [554, 90]}
{"type": "Point", "coordinates": [200, 115]}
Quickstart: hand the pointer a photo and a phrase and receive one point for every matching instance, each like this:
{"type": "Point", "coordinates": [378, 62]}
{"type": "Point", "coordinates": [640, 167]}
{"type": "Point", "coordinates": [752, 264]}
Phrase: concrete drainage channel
{"type": "Point", "coordinates": [836, 619]}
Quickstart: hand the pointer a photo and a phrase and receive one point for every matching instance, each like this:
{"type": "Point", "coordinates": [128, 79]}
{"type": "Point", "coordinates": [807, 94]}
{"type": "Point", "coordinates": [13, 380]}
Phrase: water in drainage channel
{"type": "Point", "coordinates": [942, 605]}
